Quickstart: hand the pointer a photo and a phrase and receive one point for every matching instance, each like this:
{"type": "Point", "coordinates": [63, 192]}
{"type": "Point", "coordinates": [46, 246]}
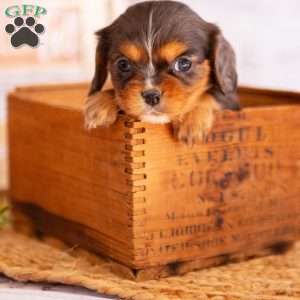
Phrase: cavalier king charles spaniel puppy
{"type": "Point", "coordinates": [167, 65]}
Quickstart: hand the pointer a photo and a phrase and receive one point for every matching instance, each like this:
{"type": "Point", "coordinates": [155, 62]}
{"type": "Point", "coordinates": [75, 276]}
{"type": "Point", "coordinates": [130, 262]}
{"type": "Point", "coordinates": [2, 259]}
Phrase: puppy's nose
{"type": "Point", "coordinates": [151, 97]}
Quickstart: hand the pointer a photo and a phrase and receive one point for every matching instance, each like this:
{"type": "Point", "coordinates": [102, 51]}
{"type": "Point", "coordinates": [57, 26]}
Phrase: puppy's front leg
{"type": "Point", "coordinates": [192, 127]}
{"type": "Point", "coordinates": [101, 109]}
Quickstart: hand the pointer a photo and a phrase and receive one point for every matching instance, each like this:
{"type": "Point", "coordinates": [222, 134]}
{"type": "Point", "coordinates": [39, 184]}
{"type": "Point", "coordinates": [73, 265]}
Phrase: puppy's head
{"type": "Point", "coordinates": [162, 57]}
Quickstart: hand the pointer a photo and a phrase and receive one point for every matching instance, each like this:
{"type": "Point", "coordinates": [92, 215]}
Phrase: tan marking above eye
{"type": "Point", "coordinates": [171, 50]}
{"type": "Point", "coordinates": [132, 51]}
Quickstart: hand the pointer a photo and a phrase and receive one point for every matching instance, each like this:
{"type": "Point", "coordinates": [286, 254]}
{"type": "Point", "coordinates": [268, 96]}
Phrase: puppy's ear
{"type": "Point", "coordinates": [101, 61]}
{"type": "Point", "coordinates": [224, 72]}
{"type": "Point", "coordinates": [224, 64]}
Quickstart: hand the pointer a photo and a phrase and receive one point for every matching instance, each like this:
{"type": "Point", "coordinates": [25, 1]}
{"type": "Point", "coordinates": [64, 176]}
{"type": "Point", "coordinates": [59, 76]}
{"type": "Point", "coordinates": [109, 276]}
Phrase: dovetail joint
{"type": "Point", "coordinates": [135, 164]}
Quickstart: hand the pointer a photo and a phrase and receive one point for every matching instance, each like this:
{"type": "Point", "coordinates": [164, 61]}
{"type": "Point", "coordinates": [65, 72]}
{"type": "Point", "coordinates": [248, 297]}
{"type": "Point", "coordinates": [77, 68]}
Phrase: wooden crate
{"type": "Point", "coordinates": [136, 195]}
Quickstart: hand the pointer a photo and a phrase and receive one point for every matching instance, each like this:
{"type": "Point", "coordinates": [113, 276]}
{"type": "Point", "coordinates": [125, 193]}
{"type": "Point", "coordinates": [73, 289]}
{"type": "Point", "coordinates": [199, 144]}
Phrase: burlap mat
{"type": "Point", "coordinates": [274, 277]}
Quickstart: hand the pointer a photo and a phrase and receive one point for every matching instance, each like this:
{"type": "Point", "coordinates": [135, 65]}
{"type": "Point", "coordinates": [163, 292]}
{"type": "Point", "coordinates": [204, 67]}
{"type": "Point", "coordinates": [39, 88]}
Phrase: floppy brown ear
{"type": "Point", "coordinates": [224, 64]}
{"type": "Point", "coordinates": [224, 72]}
{"type": "Point", "coordinates": [101, 62]}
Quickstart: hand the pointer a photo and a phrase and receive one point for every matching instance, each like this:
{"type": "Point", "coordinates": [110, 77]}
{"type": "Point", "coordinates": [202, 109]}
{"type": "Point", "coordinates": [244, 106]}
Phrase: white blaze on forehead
{"type": "Point", "coordinates": [148, 83]}
{"type": "Point", "coordinates": [149, 42]}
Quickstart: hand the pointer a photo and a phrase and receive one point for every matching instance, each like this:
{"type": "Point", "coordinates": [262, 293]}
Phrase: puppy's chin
{"type": "Point", "coordinates": [155, 119]}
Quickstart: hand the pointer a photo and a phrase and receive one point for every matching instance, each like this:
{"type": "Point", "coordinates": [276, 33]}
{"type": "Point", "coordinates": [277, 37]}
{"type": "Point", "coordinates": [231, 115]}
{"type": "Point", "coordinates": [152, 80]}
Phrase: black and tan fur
{"type": "Point", "coordinates": [152, 37]}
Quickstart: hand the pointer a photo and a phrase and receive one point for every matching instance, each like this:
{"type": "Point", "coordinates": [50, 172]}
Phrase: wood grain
{"type": "Point", "coordinates": [146, 200]}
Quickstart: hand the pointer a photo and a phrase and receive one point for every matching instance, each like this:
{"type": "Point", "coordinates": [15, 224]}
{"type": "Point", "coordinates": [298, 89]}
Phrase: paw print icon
{"type": "Point", "coordinates": [24, 32]}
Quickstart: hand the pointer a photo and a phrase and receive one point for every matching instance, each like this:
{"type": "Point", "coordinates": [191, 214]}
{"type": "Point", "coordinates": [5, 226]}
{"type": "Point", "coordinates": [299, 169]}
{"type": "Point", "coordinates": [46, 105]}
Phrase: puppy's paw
{"type": "Point", "coordinates": [100, 109]}
{"type": "Point", "coordinates": [193, 127]}
{"type": "Point", "coordinates": [192, 130]}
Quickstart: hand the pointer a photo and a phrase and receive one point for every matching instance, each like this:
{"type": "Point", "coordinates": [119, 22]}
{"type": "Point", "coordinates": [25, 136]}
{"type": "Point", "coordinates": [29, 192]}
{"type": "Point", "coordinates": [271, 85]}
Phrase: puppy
{"type": "Point", "coordinates": [166, 65]}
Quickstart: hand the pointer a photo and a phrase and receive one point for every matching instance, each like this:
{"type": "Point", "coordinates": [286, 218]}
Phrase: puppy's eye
{"type": "Point", "coordinates": [182, 64]}
{"type": "Point", "coordinates": [124, 65]}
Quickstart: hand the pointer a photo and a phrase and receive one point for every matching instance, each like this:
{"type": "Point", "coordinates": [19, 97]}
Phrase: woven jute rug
{"type": "Point", "coordinates": [270, 278]}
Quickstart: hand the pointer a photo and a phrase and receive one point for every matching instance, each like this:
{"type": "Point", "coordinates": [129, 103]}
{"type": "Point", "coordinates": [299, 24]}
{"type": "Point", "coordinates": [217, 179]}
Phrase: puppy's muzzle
{"type": "Point", "coordinates": [151, 97]}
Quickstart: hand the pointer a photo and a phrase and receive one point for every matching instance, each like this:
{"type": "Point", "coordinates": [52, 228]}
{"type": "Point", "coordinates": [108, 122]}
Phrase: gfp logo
{"type": "Point", "coordinates": [24, 29]}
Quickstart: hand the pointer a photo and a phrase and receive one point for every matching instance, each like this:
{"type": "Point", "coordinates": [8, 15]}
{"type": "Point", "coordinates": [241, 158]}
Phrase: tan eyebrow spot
{"type": "Point", "coordinates": [132, 51]}
{"type": "Point", "coordinates": [171, 50]}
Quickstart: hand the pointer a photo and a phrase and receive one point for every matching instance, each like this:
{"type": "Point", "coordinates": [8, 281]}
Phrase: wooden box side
{"type": "Point", "coordinates": [148, 200]}
{"type": "Point", "coordinates": [63, 176]}
{"type": "Point", "coordinates": [236, 192]}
